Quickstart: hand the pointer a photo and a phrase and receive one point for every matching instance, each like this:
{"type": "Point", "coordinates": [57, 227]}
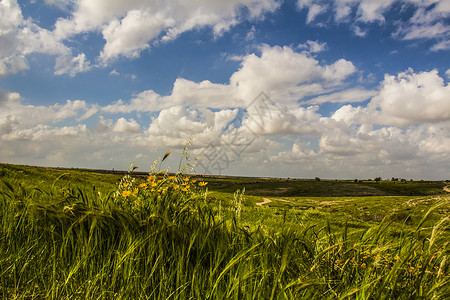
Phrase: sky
{"type": "Point", "coordinates": [337, 89]}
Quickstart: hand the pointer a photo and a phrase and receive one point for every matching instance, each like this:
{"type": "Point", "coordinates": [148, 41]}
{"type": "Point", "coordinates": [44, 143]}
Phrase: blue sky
{"type": "Point", "coordinates": [335, 89]}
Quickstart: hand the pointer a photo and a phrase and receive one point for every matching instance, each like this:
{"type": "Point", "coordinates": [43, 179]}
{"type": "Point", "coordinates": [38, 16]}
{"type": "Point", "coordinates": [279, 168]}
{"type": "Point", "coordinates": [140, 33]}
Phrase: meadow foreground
{"type": "Point", "coordinates": [77, 235]}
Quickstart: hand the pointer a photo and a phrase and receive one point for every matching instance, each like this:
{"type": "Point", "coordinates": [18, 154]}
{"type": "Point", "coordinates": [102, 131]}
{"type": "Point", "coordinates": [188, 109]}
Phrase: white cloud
{"type": "Point", "coordinates": [343, 9]}
{"type": "Point", "coordinates": [146, 101]}
{"type": "Point", "coordinates": [367, 10]}
{"type": "Point", "coordinates": [313, 46]}
{"type": "Point", "coordinates": [348, 114]}
{"type": "Point", "coordinates": [358, 31]}
{"type": "Point", "coordinates": [444, 45]}
{"type": "Point", "coordinates": [372, 10]}
{"type": "Point", "coordinates": [295, 155]}
{"type": "Point", "coordinates": [129, 36]}
{"type": "Point", "coordinates": [20, 37]}
{"type": "Point", "coordinates": [127, 126]}
{"type": "Point", "coordinates": [129, 27]}
{"type": "Point", "coordinates": [188, 123]}
{"type": "Point", "coordinates": [72, 65]}
{"type": "Point", "coordinates": [29, 115]}
{"type": "Point", "coordinates": [340, 138]}
{"type": "Point", "coordinates": [207, 127]}
{"type": "Point", "coordinates": [264, 120]}
{"type": "Point", "coordinates": [433, 139]}
{"type": "Point", "coordinates": [411, 97]}
{"type": "Point", "coordinates": [286, 75]}
{"type": "Point", "coordinates": [426, 31]}
{"type": "Point", "coordinates": [204, 93]}
{"type": "Point", "coordinates": [314, 11]}
{"type": "Point", "coordinates": [44, 132]}
{"type": "Point", "coordinates": [428, 21]}
{"type": "Point", "coordinates": [104, 125]}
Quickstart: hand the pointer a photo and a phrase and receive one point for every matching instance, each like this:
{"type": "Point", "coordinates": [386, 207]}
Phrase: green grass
{"type": "Point", "coordinates": [61, 238]}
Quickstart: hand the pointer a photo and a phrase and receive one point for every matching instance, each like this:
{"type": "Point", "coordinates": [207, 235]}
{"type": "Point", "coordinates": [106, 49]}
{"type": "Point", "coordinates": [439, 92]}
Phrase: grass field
{"type": "Point", "coordinates": [78, 234]}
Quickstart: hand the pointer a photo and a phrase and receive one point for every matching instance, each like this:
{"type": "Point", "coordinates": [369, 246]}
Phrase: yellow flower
{"type": "Point", "coordinates": [126, 193]}
{"type": "Point", "coordinates": [135, 191]}
{"type": "Point", "coordinates": [154, 184]}
{"type": "Point", "coordinates": [193, 181]}
{"type": "Point", "coordinates": [125, 184]}
{"type": "Point", "coordinates": [143, 185]}
{"type": "Point", "coordinates": [176, 186]}
{"type": "Point", "coordinates": [151, 178]}
{"type": "Point", "coordinates": [202, 183]}
{"type": "Point", "coordinates": [186, 178]}
{"type": "Point", "coordinates": [171, 178]}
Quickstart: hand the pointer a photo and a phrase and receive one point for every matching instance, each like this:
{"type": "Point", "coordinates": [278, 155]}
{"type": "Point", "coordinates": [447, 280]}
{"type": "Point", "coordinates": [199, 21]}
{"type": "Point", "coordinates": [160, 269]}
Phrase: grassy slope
{"type": "Point", "coordinates": [293, 200]}
{"type": "Point", "coordinates": [46, 177]}
{"type": "Point", "coordinates": [326, 188]}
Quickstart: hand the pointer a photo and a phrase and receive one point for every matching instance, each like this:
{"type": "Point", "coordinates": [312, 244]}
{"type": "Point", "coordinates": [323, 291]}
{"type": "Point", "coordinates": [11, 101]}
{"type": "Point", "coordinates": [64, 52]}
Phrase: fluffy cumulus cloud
{"type": "Point", "coordinates": [127, 126]}
{"type": "Point", "coordinates": [285, 75]}
{"type": "Point", "coordinates": [410, 98]}
{"type": "Point", "coordinates": [129, 27]}
{"type": "Point", "coordinates": [429, 21]}
{"type": "Point", "coordinates": [20, 37]}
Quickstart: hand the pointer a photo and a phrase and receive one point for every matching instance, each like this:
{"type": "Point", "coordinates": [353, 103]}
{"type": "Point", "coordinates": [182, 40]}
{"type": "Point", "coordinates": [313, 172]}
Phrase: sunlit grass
{"type": "Point", "coordinates": [167, 237]}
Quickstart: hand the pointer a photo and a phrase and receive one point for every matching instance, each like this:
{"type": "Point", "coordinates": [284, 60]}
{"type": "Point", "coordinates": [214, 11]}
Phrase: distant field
{"type": "Point", "coordinates": [93, 234]}
{"type": "Point", "coordinates": [326, 188]}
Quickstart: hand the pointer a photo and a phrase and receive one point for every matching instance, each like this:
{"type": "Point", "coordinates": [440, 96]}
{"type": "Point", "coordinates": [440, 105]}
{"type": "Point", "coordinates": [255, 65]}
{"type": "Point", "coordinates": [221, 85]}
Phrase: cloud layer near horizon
{"type": "Point", "coordinates": [405, 122]}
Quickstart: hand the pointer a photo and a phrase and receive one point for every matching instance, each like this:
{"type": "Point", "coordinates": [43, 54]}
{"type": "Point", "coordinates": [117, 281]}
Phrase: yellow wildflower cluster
{"type": "Point", "coordinates": [177, 187]}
